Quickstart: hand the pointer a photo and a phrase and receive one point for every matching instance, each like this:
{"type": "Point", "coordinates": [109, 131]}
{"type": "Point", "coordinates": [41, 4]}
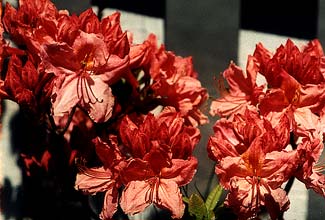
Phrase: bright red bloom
{"type": "Point", "coordinates": [31, 15]}
{"type": "Point", "coordinates": [169, 80]}
{"type": "Point", "coordinates": [306, 65]}
{"type": "Point", "coordinates": [243, 90]}
{"type": "Point", "coordinates": [310, 171]}
{"type": "Point", "coordinates": [29, 87]}
{"type": "Point", "coordinates": [84, 79]}
{"type": "Point", "coordinates": [103, 179]}
{"type": "Point", "coordinates": [253, 163]}
{"type": "Point", "coordinates": [33, 24]}
{"type": "Point", "coordinates": [98, 57]}
{"type": "Point", "coordinates": [233, 137]}
{"type": "Point", "coordinates": [95, 180]}
{"type": "Point", "coordinates": [176, 83]}
{"type": "Point", "coordinates": [142, 54]}
{"type": "Point", "coordinates": [296, 81]}
{"type": "Point", "coordinates": [161, 161]}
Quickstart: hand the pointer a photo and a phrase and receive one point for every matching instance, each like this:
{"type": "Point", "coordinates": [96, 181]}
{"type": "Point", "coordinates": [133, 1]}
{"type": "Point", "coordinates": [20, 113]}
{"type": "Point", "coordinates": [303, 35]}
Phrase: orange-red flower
{"type": "Point", "coordinates": [175, 82]}
{"type": "Point", "coordinates": [105, 178]}
{"type": "Point", "coordinates": [29, 87]}
{"type": "Point", "coordinates": [243, 90]}
{"type": "Point", "coordinates": [253, 163]}
{"type": "Point", "coordinates": [312, 166]}
{"type": "Point", "coordinates": [160, 162]}
{"type": "Point", "coordinates": [96, 60]}
{"type": "Point", "coordinates": [296, 82]}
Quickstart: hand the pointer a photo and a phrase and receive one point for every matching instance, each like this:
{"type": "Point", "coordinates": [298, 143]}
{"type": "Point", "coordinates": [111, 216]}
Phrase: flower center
{"type": "Point", "coordinates": [88, 62]}
{"type": "Point", "coordinates": [85, 82]}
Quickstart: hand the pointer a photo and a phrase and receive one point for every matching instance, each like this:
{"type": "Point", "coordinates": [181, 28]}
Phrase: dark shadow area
{"type": "Point", "coordinates": [144, 7]}
{"type": "Point", "coordinates": [321, 22]}
{"type": "Point", "coordinates": [73, 6]}
{"type": "Point", "coordinates": [289, 18]}
{"type": "Point", "coordinates": [43, 194]}
{"type": "Point", "coordinates": [207, 31]}
{"type": "Point", "coordinates": [10, 198]}
{"type": "Point", "coordinates": [316, 204]}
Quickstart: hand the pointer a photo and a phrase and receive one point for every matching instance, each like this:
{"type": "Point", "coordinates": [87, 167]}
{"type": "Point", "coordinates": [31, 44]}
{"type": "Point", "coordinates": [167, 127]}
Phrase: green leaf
{"type": "Point", "coordinates": [211, 215]}
{"type": "Point", "coordinates": [186, 199]}
{"type": "Point", "coordinates": [196, 207]}
{"type": "Point", "coordinates": [213, 198]}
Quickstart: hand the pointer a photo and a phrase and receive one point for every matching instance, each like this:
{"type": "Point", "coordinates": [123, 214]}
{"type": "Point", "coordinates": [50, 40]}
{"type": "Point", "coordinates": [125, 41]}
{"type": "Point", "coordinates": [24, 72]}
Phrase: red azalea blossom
{"type": "Point", "coordinates": [311, 170]}
{"type": "Point", "coordinates": [175, 81]}
{"type": "Point", "coordinates": [296, 80]}
{"type": "Point", "coordinates": [160, 162]}
{"type": "Point", "coordinates": [306, 65]}
{"type": "Point", "coordinates": [31, 15]}
{"type": "Point", "coordinates": [33, 24]}
{"type": "Point", "coordinates": [153, 162]}
{"type": "Point", "coordinates": [293, 103]}
{"type": "Point", "coordinates": [90, 94]}
{"type": "Point", "coordinates": [97, 51]}
{"type": "Point", "coordinates": [84, 79]}
{"type": "Point", "coordinates": [28, 86]}
{"type": "Point", "coordinates": [253, 163]}
{"type": "Point", "coordinates": [242, 93]}
{"type": "Point", "coordinates": [103, 179]}
{"type": "Point", "coordinates": [95, 180]}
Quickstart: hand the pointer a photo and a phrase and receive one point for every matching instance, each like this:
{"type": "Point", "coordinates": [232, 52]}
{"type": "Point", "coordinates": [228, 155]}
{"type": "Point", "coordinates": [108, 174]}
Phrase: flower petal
{"type": "Point", "coordinates": [182, 171]}
{"type": "Point", "coordinates": [93, 180]}
{"type": "Point", "coordinates": [110, 204]}
{"type": "Point", "coordinates": [134, 198]}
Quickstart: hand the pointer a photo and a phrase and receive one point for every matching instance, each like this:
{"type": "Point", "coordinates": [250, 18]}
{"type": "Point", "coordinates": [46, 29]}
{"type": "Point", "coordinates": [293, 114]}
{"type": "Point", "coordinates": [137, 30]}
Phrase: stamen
{"type": "Point", "coordinates": [84, 90]}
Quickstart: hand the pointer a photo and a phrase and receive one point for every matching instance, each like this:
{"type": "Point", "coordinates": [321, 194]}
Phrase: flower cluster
{"type": "Point", "coordinates": [270, 130]}
{"type": "Point", "coordinates": [124, 114]}
{"type": "Point", "coordinates": [122, 120]}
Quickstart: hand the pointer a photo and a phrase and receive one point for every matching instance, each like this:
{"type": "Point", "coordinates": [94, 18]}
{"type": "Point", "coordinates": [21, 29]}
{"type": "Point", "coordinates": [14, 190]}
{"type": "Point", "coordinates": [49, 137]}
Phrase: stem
{"type": "Point", "coordinates": [66, 126]}
{"type": "Point", "coordinates": [211, 177]}
{"type": "Point", "coordinates": [198, 190]}
{"type": "Point", "coordinates": [289, 184]}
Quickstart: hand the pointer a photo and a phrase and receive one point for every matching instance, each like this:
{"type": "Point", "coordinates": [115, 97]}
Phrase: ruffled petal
{"type": "Point", "coordinates": [135, 197]}
{"type": "Point", "coordinates": [93, 180]}
{"type": "Point", "coordinates": [110, 204]}
{"type": "Point", "coordinates": [182, 171]}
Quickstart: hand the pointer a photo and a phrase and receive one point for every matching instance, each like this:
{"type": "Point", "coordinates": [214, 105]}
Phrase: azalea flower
{"type": "Point", "coordinates": [105, 178]}
{"type": "Point", "coordinates": [88, 91]}
{"type": "Point", "coordinates": [305, 65]}
{"type": "Point", "coordinates": [29, 87]}
{"type": "Point", "coordinates": [94, 64]}
{"type": "Point", "coordinates": [176, 83]}
{"type": "Point", "coordinates": [310, 171]}
{"type": "Point", "coordinates": [243, 90]}
{"type": "Point", "coordinates": [160, 162]}
{"type": "Point", "coordinates": [30, 15]}
{"type": "Point", "coordinates": [32, 24]}
{"type": "Point", "coordinates": [296, 83]}
{"type": "Point", "coordinates": [120, 119]}
{"type": "Point", "coordinates": [253, 162]}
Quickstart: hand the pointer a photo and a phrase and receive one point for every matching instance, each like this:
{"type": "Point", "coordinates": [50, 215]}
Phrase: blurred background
{"type": "Point", "coordinates": [213, 32]}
